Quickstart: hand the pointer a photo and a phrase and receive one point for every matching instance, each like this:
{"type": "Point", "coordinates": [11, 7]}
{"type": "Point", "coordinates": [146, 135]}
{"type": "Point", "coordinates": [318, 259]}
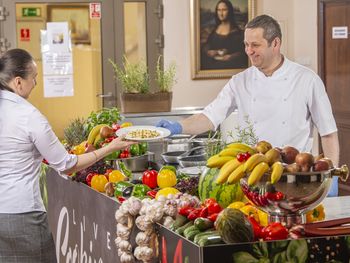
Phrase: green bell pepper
{"type": "Point", "coordinates": [135, 150]}
{"type": "Point", "coordinates": [143, 146]}
{"type": "Point", "coordinates": [119, 187]}
{"type": "Point", "coordinates": [140, 190]}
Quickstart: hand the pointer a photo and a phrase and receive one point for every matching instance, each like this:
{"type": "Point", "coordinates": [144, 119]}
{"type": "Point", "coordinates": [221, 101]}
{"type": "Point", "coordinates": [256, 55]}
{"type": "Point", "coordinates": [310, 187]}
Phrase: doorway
{"type": "Point", "coordinates": [107, 37]}
{"type": "Point", "coordinates": [334, 68]}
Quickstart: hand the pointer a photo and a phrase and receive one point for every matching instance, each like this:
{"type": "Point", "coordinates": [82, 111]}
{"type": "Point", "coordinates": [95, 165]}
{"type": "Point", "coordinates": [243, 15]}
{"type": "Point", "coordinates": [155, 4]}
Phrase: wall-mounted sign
{"type": "Point", "coordinates": [95, 10]}
{"type": "Point", "coordinates": [339, 32]}
{"type": "Point", "coordinates": [24, 34]}
{"type": "Point", "coordinates": [31, 11]}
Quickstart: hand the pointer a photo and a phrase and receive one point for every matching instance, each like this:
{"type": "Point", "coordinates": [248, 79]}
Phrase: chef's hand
{"type": "Point", "coordinates": [173, 126]}
{"type": "Point", "coordinates": [333, 191]}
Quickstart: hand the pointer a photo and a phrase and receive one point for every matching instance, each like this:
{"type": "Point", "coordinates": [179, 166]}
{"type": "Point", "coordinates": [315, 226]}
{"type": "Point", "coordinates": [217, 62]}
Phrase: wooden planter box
{"type": "Point", "coordinates": [140, 103]}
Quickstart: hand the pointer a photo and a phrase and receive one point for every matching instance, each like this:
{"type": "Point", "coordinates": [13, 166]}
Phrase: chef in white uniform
{"type": "Point", "coordinates": [283, 100]}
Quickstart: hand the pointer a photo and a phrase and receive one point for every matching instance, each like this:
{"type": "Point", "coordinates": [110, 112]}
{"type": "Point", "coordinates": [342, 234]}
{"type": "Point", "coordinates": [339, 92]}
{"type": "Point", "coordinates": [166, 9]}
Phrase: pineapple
{"type": "Point", "coordinates": [74, 134]}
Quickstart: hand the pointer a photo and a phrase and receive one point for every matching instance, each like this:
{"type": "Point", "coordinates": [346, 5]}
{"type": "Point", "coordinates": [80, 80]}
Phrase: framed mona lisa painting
{"type": "Point", "coordinates": [217, 37]}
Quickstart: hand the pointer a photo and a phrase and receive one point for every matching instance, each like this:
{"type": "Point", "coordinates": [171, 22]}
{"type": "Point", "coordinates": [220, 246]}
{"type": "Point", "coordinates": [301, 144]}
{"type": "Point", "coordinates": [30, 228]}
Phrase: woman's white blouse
{"type": "Point", "coordinates": [282, 108]}
{"type": "Point", "coordinates": [25, 139]}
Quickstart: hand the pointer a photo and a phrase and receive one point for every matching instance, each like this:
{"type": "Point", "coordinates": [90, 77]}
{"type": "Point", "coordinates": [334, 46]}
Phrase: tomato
{"type": "Point", "coordinates": [124, 154]}
{"type": "Point", "coordinates": [166, 178]}
{"type": "Point", "coordinates": [116, 176]}
{"type": "Point", "coordinates": [115, 126]}
{"type": "Point", "coordinates": [149, 178]}
{"type": "Point", "coordinates": [98, 182]}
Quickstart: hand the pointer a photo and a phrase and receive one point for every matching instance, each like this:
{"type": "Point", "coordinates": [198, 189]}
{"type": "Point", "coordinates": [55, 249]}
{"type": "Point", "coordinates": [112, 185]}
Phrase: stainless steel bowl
{"type": "Point", "coordinates": [136, 163]}
{"type": "Point", "coordinates": [193, 160]}
{"type": "Point", "coordinates": [171, 157]}
{"type": "Point", "coordinates": [293, 195]}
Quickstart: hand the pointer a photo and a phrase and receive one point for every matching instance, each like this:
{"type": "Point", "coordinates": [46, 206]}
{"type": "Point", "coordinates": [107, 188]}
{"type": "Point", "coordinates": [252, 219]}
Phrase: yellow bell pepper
{"type": "Point", "coordinates": [116, 176]}
{"type": "Point", "coordinates": [125, 124]}
{"type": "Point", "coordinates": [166, 178]}
{"type": "Point", "coordinates": [316, 214]}
{"type": "Point", "coordinates": [250, 210]}
{"type": "Point", "coordinates": [263, 218]}
{"type": "Point", "coordinates": [236, 205]}
{"type": "Point", "coordinates": [98, 182]}
{"type": "Point", "coordinates": [166, 191]}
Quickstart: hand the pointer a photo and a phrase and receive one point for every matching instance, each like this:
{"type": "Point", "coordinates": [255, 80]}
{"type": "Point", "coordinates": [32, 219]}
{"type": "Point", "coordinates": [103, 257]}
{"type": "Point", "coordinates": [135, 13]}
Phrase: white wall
{"type": "Point", "coordinates": [298, 20]}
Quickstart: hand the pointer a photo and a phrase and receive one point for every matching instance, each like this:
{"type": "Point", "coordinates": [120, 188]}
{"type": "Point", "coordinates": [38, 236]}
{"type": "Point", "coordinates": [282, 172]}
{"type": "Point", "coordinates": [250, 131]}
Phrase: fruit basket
{"type": "Point", "coordinates": [293, 195]}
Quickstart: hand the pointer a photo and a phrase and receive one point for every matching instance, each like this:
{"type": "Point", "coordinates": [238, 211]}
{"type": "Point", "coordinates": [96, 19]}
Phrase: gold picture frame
{"type": "Point", "coordinates": [213, 55]}
{"type": "Point", "coordinates": [78, 19]}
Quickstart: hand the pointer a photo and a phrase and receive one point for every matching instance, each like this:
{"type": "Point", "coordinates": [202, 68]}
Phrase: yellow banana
{"type": "Point", "coordinates": [257, 173]}
{"type": "Point", "coordinates": [97, 139]}
{"type": "Point", "coordinates": [235, 148]}
{"type": "Point", "coordinates": [276, 172]}
{"type": "Point", "coordinates": [236, 175]}
{"type": "Point", "coordinates": [217, 161]}
{"type": "Point", "coordinates": [253, 161]}
{"type": "Point", "coordinates": [226, 170]}
{"type": "Point", "coordinates": [94, 132]}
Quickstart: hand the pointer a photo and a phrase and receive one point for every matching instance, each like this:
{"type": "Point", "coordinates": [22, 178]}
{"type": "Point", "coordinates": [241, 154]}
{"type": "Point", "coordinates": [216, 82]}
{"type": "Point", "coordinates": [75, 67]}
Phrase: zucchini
{"type": "Point", "coordinates": [190, 235]}
{"type": "Point", "coordinates": [189, 229]}
{"type": "Point", "coordinates": [203, 223]}
{"type": "Point", "coordinates": [180, 220]}
{"type": "Point", "coordinates": [210, 240]}
{"type": "Point", "coordinates": [202, 234]}
{"type": "Point", "coordinates": [181, 229]}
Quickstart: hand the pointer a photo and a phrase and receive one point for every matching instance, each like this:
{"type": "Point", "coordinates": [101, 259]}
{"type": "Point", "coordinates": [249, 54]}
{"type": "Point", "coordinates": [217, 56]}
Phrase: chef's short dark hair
{"type": "Point", "coordinates": [14, 63]}
{"type": "Point", "coordinates": [270, 26]}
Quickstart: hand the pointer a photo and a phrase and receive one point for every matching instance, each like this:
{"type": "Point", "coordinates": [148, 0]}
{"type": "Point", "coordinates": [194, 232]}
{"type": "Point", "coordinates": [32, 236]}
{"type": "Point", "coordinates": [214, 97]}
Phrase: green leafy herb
{"type": "Point", "coordinates": [245, 134]}
{"type": "Point", "coordinates": [133, 76]}
{"type": "Point", "coordinates": [104, 116]}
{"type": "Point", "coordinates": [165, 78]}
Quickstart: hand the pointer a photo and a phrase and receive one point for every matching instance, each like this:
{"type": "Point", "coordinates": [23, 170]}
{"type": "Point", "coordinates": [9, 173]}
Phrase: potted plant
{"type": "Point", "coordinates": [136, 96]}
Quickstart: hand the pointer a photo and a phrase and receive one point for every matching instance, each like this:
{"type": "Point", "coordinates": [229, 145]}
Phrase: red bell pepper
{"type": "Point", "coordinates": [185, 210]}
{"type": "Point", "coordinates": [203, 212]}
{"type": "Point", "coordinates": [152, 193]}
{"type": "Point", "coordinates": [256, 227]}
{"type": "Point", "coordinates": [213, 217]}
{"type": "Point", "coordinates": [89, 178]}
{"type": "Point", "coordinates": [149, 178]}
{"type": "Point", "coordinates": [214, 208]}
{"type": "Point", "coordinates": [274, 231]}
{"type": "Point", "coordinates": [194, 214]}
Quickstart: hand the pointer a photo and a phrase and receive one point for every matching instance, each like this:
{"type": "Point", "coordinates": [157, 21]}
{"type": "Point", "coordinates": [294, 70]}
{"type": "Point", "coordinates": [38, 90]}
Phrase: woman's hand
{"type": "Point", "coordinates": [120, 144]}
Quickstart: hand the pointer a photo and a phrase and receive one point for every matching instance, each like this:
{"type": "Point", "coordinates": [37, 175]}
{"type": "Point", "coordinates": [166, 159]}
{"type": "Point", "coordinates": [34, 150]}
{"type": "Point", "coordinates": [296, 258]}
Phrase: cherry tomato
{"type": "Point", "coordinates": [241, 157]}
{"type": "Point", "coordinates": [89, 177]}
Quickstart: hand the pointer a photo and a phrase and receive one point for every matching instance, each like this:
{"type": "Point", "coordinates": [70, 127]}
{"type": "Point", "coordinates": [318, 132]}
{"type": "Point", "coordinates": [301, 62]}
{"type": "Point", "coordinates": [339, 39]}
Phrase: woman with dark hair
{"type": "Point", "coordinates": [224, 48]}
{"type": "Point", "coordinates": [26, 138]}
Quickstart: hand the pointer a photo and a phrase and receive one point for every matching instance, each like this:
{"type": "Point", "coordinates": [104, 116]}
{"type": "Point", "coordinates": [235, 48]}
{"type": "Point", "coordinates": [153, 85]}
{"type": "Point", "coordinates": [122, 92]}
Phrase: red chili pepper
{"type": "Point", "coordinates": [194, 214]}
{"type": "Point", "coordinates": [213, 217]}
{"type": "Point", "coordinates": [204, 212]}
{"type": "Point", "coordinates": [214, 208]}
{"type": "Point", "coordinates": [274, 231]}
{"type": "Point", "coordinates": [152, 193]}
{"type": "Point", "coordinates": [89, 178]}
{"type": "Point", "coordinates": [256, 227]}
{"type": "Point", "coordinates": [185, 210]}
{"type": "Point", "coordinates": [121, 199]}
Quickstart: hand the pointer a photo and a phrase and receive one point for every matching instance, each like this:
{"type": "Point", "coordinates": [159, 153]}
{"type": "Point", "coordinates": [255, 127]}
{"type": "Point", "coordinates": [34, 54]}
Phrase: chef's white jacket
{"type": "Point", "coordinates": [282, 108]}
{"type": "Point", "coordinates": [25, 139]}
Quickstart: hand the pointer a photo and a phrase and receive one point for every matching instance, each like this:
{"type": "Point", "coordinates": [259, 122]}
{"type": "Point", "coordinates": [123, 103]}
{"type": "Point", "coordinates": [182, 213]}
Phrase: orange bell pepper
{"type": "Point", "coordinates": [316, 214]}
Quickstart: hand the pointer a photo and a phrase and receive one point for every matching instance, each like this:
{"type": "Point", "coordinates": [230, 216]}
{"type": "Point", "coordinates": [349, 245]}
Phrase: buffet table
{"type": "Point", "coordinates": [83, 225]}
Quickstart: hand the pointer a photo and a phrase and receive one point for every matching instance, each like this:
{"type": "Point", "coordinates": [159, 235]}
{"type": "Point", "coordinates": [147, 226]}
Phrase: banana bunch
{"type": "Point", "coordinates": [232, 169]}
{"type": "Point", "coordinates": [94, 135]}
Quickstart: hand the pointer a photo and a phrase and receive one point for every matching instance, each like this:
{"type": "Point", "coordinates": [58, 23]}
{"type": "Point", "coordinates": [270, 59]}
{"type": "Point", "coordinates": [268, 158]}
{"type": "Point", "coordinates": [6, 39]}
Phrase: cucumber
{"type": "Point", "coordinates": [180, 220]}
{"type": "Point", "coordinates": [203, 223]}
{"type": "Point", "coordinates": [189, 229]}
{"type": "Point", "coordinates": [181, 229]}
{"type": "Point", "coordinates": [210, 240]}
{"type": "Point", "coordinates": [202, 234]}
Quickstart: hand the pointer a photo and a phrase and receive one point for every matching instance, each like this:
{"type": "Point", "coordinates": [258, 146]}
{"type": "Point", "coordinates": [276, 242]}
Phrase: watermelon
{"type": "Point", "coordinates": [224, 194]}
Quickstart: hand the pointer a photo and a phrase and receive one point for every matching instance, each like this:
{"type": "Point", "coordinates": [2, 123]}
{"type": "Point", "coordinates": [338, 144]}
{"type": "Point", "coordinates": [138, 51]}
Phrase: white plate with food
{"type": "Point", "coordinates": [143, 133]}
